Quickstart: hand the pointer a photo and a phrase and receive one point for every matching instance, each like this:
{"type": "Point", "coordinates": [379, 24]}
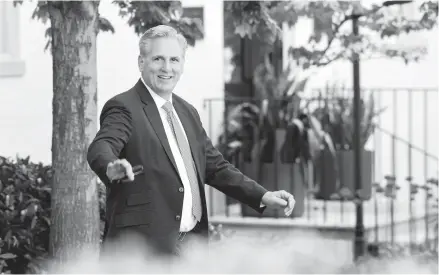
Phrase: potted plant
{"type": "Point", "coordinates": [335, 180]}
{"type": "Point", "coordinates": [269, 138]}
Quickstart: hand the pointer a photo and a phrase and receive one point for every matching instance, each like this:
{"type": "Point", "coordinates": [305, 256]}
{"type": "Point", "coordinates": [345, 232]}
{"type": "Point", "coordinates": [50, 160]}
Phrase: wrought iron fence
{"type": "Point", "coordinates": [400, 205]}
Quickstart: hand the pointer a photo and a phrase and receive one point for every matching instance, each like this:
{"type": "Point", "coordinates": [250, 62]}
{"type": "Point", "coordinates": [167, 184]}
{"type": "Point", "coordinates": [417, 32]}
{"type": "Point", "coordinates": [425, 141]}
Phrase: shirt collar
{"type": "Point", "coordinates": [159, 101]}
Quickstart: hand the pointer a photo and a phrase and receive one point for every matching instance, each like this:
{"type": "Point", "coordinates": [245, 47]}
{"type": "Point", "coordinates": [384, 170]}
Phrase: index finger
{"type": "Point", "coordinates": [291, 203]}
{"type": "Point", "coordinates": [287, 196]}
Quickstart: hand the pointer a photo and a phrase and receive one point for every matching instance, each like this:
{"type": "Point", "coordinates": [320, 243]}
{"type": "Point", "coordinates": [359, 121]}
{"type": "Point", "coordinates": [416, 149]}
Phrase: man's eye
{"type": "Point", "coordinates": [175, 60]}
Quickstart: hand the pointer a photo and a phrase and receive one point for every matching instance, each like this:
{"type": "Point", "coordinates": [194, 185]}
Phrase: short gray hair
{"type": "Point", "coordinates": [157, 32]}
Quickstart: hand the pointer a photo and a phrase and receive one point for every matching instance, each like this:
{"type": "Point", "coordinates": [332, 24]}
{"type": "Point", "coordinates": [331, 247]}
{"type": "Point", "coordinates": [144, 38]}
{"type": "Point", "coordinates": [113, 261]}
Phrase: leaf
{"type": "Point", "coordinates": [7, 256]}
{"type": "Point", "coordinates": [285, 11]}
{"type": "Point", "coordinates": [9, 190]}
{"type": "Point", "coordinates": [8, 236]}
{"type": "Point", "coordinates": [105, 25]}
{"type": "Point", "coordinates": [33, 201]}
{"type": "Point", "coordinates": [244, 30]}
{"type": "Point", "coordinates": [41, 11]}
{"type": "Point", "coordinates": [299, 86]}
{"type": "Point", "coordinates": [34, 222]}
{"type": "Point", "coordinates": [15, 242]}
{"type": "Point", "coordinates": [142, 15]}
{"type": "Point", "coordinates": [31, 209]}
{"type": "Point", "coordinates": [18, 2]}
{"type": "Point", "coordinates": [47, 220]}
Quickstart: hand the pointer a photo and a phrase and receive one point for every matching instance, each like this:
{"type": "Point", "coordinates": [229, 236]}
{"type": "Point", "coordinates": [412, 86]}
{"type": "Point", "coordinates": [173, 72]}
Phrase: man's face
{"type": "Point", "coordinates": [162, 65]}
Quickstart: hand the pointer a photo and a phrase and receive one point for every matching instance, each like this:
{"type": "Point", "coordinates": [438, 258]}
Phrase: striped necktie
{"type": "Point", "coordinates": [185, 151]}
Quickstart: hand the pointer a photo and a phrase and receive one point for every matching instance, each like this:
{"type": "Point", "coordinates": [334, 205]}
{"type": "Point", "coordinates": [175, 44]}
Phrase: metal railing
{"type": "Point", "coordinates": [404, 168]}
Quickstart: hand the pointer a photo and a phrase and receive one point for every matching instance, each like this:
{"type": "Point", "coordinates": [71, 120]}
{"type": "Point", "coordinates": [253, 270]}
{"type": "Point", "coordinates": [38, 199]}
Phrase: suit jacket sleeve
{"type": "Point", "coordinates": [115, 131]}
{"type": "Point", "coordinates": [225, 177]}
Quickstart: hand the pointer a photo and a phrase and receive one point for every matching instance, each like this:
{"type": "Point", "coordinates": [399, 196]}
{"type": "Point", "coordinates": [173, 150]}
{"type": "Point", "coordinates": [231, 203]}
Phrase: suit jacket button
{"type": "Point", "coordinates": [181, 189]}
{"type": "Point", "coordinates": [178, 217]}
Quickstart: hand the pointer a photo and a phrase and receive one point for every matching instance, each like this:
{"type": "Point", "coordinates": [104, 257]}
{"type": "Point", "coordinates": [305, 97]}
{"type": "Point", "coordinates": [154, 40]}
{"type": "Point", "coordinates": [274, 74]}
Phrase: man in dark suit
{"type": "Point", "coordinates": [150, 126]}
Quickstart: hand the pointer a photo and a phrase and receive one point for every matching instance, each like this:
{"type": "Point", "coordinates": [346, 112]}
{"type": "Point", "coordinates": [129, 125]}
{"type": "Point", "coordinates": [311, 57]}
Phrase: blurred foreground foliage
{"type": "Point", "coordinates": [381, 258]}
{"type": "Point", "coordinates": [396, 259]}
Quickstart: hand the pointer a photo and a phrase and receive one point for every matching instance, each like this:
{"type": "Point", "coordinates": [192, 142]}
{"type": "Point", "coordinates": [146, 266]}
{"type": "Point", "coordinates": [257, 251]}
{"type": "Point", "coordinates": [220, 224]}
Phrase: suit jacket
{"type": "Point", "coordinates": [151, 205]}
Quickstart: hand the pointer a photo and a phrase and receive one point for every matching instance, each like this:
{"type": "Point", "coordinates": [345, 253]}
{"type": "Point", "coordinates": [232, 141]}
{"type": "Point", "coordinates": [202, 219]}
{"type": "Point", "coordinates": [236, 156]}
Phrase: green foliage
{"type": "Point", "coordinates": [140, 15]}
{"type": "Point", "coordinates": [330, 40]}
{"type": "Point", "coordinates": [335, 112]}
{"type": "Point", "coordinates": [248, 18]}
{"type": "Point", "coordinates": [396, 25]}
{"type": "Point", "coordinates": [251, 125]}
{"type": "Point", "coordinates": [25, 199]}
{"type": "Point", "coordinates": [24, 214]}
{"type": "Point", "coordinates": [281, 92]}
{"type": "Point", "coordinates": [41, 13]}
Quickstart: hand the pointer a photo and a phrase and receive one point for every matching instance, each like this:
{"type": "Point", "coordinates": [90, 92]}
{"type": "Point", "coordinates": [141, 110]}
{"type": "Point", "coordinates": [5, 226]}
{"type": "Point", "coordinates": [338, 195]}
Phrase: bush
{"type": "Point", "coordinates": [25, 198]}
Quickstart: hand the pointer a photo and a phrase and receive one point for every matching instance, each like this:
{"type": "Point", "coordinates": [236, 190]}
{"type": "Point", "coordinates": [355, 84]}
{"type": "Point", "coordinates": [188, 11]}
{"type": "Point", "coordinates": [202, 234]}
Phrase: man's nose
{"type": "Point", "coordinates": [166, 66]}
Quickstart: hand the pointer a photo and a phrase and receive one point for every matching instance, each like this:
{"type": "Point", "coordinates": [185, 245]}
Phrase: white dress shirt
{"type": "Point", "coordinates": [188, 220]}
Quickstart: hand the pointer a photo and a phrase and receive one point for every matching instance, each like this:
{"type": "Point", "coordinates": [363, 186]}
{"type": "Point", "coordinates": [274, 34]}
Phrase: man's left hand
{"type": "Point", "coordinates": [279, 199]}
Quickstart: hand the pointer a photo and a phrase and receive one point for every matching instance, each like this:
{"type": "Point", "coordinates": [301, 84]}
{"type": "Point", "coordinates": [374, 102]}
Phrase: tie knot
{"type": "Point", "coordinates": [167, 107]}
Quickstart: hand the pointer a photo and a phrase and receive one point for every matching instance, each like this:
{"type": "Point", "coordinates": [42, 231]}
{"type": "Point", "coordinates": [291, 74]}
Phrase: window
{"type": "Point", "coordinates": [11, 64]}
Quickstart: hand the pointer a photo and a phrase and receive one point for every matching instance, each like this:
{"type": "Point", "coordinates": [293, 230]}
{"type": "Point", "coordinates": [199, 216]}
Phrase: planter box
{"type": "Point", "coordinates": [287, 176]}
{"type": "Point", "coordinates": [326, 178]}
{"type": "Point", "coordinates": [277, 175]}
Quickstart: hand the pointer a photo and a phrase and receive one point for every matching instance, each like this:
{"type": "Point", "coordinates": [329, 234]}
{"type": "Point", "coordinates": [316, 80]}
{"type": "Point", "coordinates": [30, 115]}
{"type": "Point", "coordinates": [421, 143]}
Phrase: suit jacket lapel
{"type": "Point", "coordinates": [188, 125]}
{"type": "Point", "coordinates": [153, 116]}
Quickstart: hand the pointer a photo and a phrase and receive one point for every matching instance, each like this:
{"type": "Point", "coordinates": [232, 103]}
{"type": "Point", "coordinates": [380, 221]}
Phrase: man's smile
{"type": "Point", "coordinates": [164, 77]}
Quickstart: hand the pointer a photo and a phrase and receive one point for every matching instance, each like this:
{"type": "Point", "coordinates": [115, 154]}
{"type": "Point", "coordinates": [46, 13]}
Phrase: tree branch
{"type": "Point", "coordinates": [329, 60]}
{"type": "Point", "coordinates": [337, 29]}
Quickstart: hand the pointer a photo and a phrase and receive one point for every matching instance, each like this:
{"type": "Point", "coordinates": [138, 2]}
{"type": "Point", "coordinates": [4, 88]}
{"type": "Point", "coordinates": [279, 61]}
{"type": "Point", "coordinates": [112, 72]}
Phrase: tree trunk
{"type": "Point", "coordinates": [75, 214]}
